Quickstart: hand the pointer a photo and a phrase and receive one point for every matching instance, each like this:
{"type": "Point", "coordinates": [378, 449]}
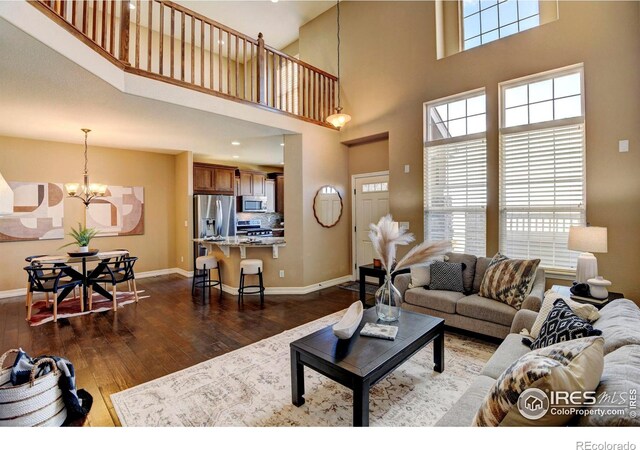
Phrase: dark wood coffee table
{"type": "Point", "coordinates": [360, 362]}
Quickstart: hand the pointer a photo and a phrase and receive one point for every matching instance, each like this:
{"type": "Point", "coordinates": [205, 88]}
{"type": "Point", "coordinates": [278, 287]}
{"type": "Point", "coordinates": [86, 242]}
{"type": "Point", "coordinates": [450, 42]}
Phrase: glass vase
{"type": "Point", "coordinates": [388, 301]}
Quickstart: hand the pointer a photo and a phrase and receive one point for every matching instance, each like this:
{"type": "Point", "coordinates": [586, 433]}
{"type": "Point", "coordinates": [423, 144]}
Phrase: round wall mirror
{"type": "Point", "coordinates": [327, 206]}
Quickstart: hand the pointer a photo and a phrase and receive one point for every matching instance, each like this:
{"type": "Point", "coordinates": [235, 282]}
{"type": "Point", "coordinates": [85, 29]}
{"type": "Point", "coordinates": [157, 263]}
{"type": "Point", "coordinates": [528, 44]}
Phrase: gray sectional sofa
{"type": "Point", "coordinates": [620, 325]}
{"type": "Point", "coordinates": [469, 311]}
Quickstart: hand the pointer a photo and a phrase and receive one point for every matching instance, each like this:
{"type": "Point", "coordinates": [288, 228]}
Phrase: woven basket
{"type": "Point", "coordinates": [38, 403]}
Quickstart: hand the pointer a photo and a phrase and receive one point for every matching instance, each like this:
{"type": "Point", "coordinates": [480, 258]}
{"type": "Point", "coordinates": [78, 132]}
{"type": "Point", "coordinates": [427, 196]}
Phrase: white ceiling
{"type": "Point", "coordinates": [279, 22]}
{"type": "Point", "coordinates": [45, 96]}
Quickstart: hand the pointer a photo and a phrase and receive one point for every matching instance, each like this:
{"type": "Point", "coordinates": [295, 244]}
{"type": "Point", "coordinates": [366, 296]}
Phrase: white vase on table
{"type": "Point", "coordinates": [84, 249]}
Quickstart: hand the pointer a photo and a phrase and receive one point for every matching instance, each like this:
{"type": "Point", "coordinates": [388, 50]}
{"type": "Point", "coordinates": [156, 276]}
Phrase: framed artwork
{"type": "Point", "coordinates": [38, 213]}
{"type": "Point", "coordinates": [119, 213]}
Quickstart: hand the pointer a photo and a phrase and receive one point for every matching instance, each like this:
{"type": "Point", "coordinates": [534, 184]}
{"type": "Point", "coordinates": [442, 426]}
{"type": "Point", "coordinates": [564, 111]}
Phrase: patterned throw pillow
{"type": "Point", "coordinates": [567, 366]}
{"type": "Point", "coordinates": [583, 310]}
{"type": "Point", "coordinates": [509, 280]}
{"type": "Point", "coordinates": [562, 325]}
{"type": "Point", "coordinates": [446, 276]}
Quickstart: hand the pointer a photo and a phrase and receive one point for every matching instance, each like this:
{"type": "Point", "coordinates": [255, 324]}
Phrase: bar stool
{"type": "Point", "coordinates": [251, 267]}
{"type": "Point", "coordinates": [203, 267]}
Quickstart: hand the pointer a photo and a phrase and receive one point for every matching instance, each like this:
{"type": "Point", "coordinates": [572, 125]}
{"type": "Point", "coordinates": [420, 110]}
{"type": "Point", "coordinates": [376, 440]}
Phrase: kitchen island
{"type": "Point", "coordinates": [225, 245]}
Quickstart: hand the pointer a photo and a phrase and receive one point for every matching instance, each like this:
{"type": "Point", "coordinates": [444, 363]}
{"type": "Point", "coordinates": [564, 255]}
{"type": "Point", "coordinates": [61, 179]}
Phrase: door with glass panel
{"type": "Point", "coordinates": [371, 203]}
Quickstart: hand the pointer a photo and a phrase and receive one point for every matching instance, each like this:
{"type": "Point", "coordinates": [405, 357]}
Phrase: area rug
{"type": "Point", "coordinates": [42, 313]}
{"type": "Point", "coordinates": [355, 286]}
{"type": "Point", "coordinates": [251, 387]}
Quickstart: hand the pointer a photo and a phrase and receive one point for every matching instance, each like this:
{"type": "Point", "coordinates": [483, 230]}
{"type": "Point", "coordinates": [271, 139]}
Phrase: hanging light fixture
{"type": "Point", "coordinates": [6, 197]}
{"type": "Point", "coordinates": [86, 192]}
{"type": "Point", "coordinates": [339, 119]}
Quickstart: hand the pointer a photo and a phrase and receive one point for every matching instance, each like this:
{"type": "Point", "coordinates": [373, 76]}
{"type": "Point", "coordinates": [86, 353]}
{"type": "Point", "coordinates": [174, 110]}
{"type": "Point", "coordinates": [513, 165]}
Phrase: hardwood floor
{"type": "Point", "coordinates": [164, 333]}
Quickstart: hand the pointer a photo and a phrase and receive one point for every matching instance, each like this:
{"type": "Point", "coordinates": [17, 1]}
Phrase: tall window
{"type": "Point", "coordinates": [288, 86]}
{"type": "Point", "coordinates": [455, 172]}
{"type": "Point", "coordinates": [542, 166]}
{"type": "Point", "coordinates": [485, 21]}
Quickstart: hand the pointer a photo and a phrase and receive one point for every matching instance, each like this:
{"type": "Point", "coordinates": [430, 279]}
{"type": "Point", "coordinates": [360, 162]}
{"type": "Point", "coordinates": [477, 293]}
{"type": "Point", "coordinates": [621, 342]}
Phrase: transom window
{"type": "Point", "coordinates": [557, 97]}
{"type": "Point", "coordinates": [486, 21]}
{"type": "Point", "coordinates": [375, 187]}
{"type": "Point", "coordinates": [457, 117]}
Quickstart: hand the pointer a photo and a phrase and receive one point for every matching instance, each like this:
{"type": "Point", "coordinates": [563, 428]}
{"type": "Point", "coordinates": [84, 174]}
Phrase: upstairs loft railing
{"type": "Point", "coordinates": [164, 41]}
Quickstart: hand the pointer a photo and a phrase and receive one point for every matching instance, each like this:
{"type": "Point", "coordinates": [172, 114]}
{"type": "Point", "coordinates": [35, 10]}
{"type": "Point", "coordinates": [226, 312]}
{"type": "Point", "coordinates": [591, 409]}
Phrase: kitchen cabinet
{"type": "Point", "coordinates": [213, 179]}
{"type": "Point", "coordinates": [279, 179]}
{"type": "Point", "coordinates": [270, 186]}
{"type": "Point", "coordinates": [252, 183]}
{"type": "Point", "coordinates": [236, 189]}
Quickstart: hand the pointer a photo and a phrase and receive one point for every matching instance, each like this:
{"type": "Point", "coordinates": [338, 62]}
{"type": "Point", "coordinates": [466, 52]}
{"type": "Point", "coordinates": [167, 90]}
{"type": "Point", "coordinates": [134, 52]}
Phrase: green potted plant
{"type": "Point", "coordinates": [82, 236]}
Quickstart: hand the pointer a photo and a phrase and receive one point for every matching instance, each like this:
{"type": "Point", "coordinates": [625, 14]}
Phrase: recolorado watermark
{"type": "Point", "coordinates": [589, 445]}
{"type": "Point", "coordinates": [534, 404]}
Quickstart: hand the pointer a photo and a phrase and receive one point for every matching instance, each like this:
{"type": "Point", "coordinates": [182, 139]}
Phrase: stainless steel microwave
{"type": "Point", "coordinates": [253, 204]}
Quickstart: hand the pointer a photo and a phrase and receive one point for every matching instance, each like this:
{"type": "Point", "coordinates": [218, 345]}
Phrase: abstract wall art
{"type": "Point", "coordinates": [119, 213]}
{"type": "Point", "coordinates": [38, 213]}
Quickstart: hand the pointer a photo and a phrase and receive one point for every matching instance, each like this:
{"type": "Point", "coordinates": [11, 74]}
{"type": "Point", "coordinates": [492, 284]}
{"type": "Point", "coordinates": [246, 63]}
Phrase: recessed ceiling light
{"type": "Point", "coordinates": [235, 143]}
{"type": "Point", "coordinates": [236, 156]}
{"type": "Point", "coordinates": [282, 145]}
{"type": "Point", "coordinates": [274, 1]}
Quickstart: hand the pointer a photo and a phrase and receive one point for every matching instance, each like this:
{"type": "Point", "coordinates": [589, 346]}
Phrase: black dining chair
{"type": "Point", "coordinates": [50, 279]}
{"type": "Point", "coordinates": [114, 273]}
{"type": "Point", "coordinates": [53, 275]}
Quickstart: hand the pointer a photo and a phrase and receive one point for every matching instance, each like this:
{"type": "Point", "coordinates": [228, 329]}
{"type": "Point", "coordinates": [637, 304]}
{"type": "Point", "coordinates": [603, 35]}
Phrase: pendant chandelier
{"type": "Point", "coordinates": [86, 192]}
{"type": "Point", "coordinates": [339, 119]}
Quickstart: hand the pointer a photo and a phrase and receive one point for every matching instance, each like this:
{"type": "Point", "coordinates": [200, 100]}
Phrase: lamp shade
{"type": "Point", "coordinates": [588, 239]}
{"type": "Point", "coordinates": [6, 197]}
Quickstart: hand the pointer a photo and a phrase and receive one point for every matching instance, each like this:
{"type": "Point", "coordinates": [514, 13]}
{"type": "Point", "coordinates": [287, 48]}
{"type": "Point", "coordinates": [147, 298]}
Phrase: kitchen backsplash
{"type": "Point", "coordinates": [268, 220]}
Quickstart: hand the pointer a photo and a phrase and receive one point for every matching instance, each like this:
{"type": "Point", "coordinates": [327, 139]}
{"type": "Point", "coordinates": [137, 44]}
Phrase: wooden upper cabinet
{"type": "Point", "coordinates": [213, 179]}
{"type": "Point", "coordinates": [280, 194]}
{"type": "Point", "coordinates": [252, 183]}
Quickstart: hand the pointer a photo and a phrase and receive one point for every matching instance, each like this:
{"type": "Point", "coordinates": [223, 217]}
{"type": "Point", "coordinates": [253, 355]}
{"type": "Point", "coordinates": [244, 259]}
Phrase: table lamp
{"type": "Point", "coordinates": [587, 240]}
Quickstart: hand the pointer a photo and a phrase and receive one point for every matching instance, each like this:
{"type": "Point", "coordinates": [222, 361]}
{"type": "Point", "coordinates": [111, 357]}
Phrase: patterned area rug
{"type": "Point", "coordinates": [70, 307]}
{"type": "Point", "coordinates": [251, 387]}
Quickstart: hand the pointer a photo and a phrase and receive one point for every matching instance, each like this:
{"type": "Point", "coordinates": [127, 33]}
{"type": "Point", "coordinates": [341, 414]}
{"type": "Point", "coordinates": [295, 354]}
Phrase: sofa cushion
{"type": "Point", "coordinates": [444, 301]}
{"type": "Point", "coordinates": [464, 410]}
{"type": "Point", "coordinates": [446, 276]}
{"type": "Point", "coordinates": [486, 309]}
{"type": "Point", "coordinates": [481, 267]}
{"type": "Point", "coordinates": [509, 280]}
{"type": "Point", "coordinates": [509, 351]}
{"type": "Point", "coordinates": [421, 273]}
{"type": "Point", "coordinates": [583, 310]}
{"type": "Point", "coordinates": [562, 325]}
{"type": "Point", "coordinates": [469, 268]}
{"type": "Point", "coordinates": [574, 366]}
{"type": "Point", "coordinates": [621, 376]}
{"type": "Point", "coordinates": [620, 324]}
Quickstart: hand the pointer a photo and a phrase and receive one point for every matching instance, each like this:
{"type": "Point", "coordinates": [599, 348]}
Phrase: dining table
{"type": "Point", "coordinates": [82, 275]}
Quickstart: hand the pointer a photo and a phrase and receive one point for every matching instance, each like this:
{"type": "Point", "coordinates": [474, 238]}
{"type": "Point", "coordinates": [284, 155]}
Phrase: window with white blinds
{"type": "Point", "coordinates": [288, 86]}
{"type": "Point", "coordinates": [542, 171]}
{"type": "Point", "coordinates": [455, 172]}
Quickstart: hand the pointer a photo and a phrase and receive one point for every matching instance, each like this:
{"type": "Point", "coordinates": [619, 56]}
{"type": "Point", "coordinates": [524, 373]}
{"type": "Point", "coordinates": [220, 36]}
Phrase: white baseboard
{"type": "Point", "coordinates": [229, 289]}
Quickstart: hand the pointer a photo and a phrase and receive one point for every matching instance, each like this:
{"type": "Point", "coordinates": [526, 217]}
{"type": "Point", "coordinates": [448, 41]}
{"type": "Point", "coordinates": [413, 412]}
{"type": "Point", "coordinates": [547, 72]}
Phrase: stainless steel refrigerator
{"type": "Point", "coordinates": [214, 215]}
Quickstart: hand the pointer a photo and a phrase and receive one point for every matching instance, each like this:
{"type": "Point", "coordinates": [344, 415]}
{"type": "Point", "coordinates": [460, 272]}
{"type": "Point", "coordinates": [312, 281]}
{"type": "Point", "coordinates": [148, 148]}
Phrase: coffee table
{"type": "Point", "coordinates": [360, 362]}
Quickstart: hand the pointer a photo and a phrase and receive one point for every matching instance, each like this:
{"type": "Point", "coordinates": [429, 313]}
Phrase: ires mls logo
{"type": "Point", "coordinates": [533, 404]}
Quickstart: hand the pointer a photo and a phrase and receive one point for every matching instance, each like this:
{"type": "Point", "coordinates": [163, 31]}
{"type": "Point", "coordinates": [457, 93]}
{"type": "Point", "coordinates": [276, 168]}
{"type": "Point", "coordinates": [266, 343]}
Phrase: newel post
{"type": "Point", "coordinates": [261, 72]}
{"type": "Point", "coordinates": [125, 18]}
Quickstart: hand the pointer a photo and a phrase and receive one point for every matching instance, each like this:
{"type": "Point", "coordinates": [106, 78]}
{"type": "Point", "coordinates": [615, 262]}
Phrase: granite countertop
{"type": "Point", "coordinates": [245, 242]}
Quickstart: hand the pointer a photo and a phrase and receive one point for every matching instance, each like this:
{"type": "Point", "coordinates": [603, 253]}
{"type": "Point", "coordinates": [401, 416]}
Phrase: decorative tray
{"type": "Point", "coordinates": [91, 252]}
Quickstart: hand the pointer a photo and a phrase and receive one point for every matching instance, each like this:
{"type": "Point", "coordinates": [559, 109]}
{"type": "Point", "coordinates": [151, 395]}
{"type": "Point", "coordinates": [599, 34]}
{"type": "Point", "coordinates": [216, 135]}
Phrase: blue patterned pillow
{"type": "Point", "coordinates": [562, 325]}
{"type": "Point", "coordinates": [446, 276]}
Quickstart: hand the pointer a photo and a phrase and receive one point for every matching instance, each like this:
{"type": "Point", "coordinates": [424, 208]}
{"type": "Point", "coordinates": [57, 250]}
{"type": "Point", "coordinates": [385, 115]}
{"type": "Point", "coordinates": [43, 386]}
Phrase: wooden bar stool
{"type": "Point", "coordinates": [202, 275]}
{"type": "Point", "coordinates": [251, 267]}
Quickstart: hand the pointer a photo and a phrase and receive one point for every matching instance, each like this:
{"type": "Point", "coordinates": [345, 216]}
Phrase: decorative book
{"type": "Point", "coordinates": [380, 331]}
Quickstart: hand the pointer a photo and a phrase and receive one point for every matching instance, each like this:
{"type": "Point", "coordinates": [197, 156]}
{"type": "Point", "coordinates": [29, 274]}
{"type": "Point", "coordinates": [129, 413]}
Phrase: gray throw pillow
{"type": "Point", "coordinates": [446, 276]}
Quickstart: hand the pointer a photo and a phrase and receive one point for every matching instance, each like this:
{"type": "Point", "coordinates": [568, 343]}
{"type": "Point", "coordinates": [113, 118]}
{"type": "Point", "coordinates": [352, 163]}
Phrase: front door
{"type": "Point", "coordinates": [371, 203]}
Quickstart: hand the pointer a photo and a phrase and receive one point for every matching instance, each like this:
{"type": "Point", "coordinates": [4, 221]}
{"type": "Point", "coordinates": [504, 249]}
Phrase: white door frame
{"type": "Point", "coordinates": [354, 259]}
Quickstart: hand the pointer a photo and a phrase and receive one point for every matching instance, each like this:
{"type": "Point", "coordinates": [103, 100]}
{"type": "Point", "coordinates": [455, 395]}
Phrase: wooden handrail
{"type": "Point", "coordinates": [211, 57]}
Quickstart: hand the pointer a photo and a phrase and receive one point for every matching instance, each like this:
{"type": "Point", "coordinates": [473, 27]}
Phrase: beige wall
{"type": "Point", "coordinates": [41, 161]}
{"type": "Point", "coordinates": [184, 210]}
{"type": "Point", "coordinates": [370, 157]}
{"type": "Point", "coordinates": [386, 80]}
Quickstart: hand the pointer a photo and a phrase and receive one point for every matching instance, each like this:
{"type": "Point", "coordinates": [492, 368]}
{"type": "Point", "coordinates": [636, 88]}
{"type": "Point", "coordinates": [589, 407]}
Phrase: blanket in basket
{"type": "Point", "coordinates": [77, 402]}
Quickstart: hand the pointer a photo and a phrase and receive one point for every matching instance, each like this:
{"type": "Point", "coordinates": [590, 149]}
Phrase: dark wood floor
{"type": "Point", "coordinates": [164, 333]}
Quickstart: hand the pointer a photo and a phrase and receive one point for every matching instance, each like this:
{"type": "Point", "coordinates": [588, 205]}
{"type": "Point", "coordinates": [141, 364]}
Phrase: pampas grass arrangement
{"type": "Point", "coordinates": [385, 237]}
